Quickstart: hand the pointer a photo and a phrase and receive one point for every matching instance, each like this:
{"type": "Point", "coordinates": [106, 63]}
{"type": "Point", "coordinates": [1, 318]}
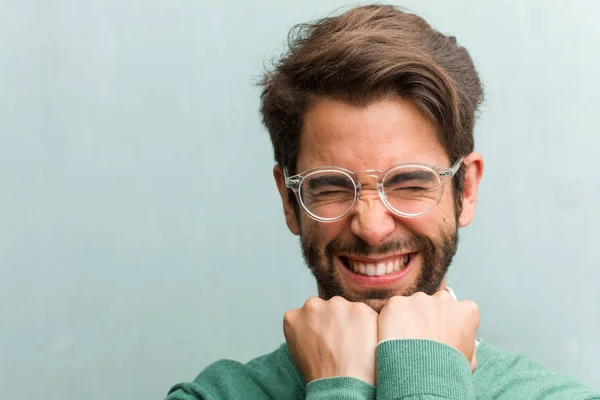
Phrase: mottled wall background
{"type": "Point", "coordinates": [141, 235]}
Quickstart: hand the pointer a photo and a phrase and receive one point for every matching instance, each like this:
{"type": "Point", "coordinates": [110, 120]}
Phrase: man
{"type": "Point", "coordinates": [371, 117]}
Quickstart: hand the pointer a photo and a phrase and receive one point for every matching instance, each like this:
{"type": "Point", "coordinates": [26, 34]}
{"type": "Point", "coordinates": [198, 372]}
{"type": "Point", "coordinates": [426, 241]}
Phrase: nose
{"type": "Point", "coordinates": [372, 221]}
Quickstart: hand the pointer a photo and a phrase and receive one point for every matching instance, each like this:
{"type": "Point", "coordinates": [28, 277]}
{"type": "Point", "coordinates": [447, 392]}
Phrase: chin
{"type": "Point", "coordinates": [377, 300]}
{"type": "Point", "coordinates": [376, 304]}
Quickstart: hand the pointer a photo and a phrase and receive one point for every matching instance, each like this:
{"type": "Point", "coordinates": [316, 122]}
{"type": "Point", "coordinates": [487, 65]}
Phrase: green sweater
{"type": "Point", "coordinates": [409, 369]}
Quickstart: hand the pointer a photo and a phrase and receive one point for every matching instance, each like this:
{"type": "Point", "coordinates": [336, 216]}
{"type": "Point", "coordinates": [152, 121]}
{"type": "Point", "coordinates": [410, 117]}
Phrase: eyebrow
{"type": "Point", "coordinates": [330, 180]}
{"type": "Point", "coordinates": [409, 176]}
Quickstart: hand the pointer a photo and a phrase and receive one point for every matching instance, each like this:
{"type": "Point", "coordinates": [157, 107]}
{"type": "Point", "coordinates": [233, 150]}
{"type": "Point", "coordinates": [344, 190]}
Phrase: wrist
{"type": "Point", "coordinates": [366, 377]}
{"type": "Point", "coordinates": [426, 367]}
{"type": "Point", "coordinates": [341, 387]}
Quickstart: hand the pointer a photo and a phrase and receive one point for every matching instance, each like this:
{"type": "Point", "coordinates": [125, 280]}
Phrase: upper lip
{"type": "Point", "coordinates": [369, 260]}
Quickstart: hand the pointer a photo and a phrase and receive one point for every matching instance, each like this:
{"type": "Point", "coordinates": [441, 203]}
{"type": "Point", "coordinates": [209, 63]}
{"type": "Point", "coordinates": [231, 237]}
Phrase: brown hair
{"type": "Point", "coordinates": [363, 55]}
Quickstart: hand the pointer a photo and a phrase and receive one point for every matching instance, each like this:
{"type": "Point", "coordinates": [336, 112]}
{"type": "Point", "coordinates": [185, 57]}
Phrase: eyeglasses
{"type": "Point", "coordinates": [328, 194]}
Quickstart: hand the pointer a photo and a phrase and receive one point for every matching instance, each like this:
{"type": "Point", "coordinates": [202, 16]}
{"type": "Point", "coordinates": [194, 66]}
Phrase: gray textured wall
{"type": "Point", "coordinates": [141, 236]}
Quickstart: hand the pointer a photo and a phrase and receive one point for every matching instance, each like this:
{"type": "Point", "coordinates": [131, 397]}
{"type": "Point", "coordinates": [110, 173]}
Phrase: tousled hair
{"type": "Point", "coordinates": [365, 54]}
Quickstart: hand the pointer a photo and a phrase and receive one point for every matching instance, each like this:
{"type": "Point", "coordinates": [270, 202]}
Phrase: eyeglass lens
{"type": "Point", "coordinates": [409, 190]}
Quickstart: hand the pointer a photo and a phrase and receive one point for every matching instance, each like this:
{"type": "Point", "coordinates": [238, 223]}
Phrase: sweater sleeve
{"type": "Point", "coordinates": [189, 391]}
{"type": "Point", "coordinates": [416, 369]}
{"type": "Point", "coordinates": [501, 376]}
{"type": "Point", "coordinates": [263, 378]}
{"type": "Point", "coordinates": [340, 388]}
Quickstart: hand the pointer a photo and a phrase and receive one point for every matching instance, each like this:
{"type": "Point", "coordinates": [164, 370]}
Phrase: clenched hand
{"type": "Point", "coordinates": [438, 317]}
{"type": "Point", "coordinates": [338, 337]}
{"type": "Point", "coordinates": [332, 338]}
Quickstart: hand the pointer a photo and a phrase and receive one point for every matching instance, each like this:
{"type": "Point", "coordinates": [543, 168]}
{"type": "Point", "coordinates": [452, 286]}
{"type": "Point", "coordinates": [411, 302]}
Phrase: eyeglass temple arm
{"type": "Point", "coordinates": [453, 170]}
{"type": "Point", "coordinates": [291, 182]}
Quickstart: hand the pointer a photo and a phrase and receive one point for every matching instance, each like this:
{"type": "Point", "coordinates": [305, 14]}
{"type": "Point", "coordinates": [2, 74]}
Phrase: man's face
{"type": "Point", "coordinates": [420, 250]}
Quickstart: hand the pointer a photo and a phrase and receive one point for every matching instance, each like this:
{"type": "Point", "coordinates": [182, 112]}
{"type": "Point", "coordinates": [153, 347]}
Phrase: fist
{"type": "Point", "coordinates": [332, 338]}
{"type": "Point", "coordinates": [438, 317]}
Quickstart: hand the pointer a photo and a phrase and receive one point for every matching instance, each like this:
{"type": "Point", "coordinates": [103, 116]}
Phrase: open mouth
{"type": "Point", "coordinates": [382, 267]}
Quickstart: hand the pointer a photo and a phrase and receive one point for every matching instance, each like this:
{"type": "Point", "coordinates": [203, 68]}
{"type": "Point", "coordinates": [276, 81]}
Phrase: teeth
{"type": "Point", "coordinates": [389, 268]}
{"type": "Point", "coordinates": [380, 269]}
{"type": "Point", "coordinates": [371, 270]}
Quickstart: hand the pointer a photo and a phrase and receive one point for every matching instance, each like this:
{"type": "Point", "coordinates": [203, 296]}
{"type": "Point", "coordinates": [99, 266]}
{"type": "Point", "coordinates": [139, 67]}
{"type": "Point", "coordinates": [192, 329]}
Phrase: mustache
{"type": "Point", "coordinates": [359, 247]}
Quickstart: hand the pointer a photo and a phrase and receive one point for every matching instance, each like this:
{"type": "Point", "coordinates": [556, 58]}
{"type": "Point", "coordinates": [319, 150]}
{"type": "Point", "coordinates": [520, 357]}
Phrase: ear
{"type": "Point", "coordinates": [288, 208]}
{"type": "Point", "coordinates": [473, 173]}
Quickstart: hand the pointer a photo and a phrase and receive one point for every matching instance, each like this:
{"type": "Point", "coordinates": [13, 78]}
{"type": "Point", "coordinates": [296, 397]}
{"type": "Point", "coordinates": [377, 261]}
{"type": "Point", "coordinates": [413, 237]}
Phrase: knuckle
{"type": "Point", "coordinates": [289, 317]}
{"type": "Point", "coordinates": [471, 307]}
{"type": "Point", "coordinates": [337, 300]}
{"type": "Point", "coordinates": [395, 301]}
{"type": "Point", "coordinates": [290, 314]}
{"type": "Point", "coordinates": [312, 303]}
{"type": "Point", "coordinates": [474, 307]}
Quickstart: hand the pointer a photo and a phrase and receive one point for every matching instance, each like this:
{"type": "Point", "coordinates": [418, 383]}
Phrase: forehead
{"type": "Point", "coordinates": [375, 136]}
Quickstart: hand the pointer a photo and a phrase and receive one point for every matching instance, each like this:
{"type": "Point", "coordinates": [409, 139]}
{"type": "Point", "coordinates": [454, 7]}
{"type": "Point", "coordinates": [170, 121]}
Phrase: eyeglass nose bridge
{"type": "Point", "coordinates": [368, 173]}
{"type": "Point", "coordinates": [372, 173]}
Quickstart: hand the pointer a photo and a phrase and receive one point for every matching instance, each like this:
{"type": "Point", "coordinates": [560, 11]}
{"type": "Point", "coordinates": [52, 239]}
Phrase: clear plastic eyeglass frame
{"type": "Point", "coordinates": [443, 175]}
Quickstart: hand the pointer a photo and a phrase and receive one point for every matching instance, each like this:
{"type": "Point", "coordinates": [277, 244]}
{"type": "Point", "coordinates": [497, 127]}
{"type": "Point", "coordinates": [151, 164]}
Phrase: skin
{"type": "Point", "coordinates": [334, 337]}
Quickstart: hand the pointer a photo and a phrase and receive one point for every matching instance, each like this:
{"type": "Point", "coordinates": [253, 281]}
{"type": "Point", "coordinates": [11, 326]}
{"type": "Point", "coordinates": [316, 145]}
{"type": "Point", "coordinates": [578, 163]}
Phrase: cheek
{"type": "Point", "coordinates": [323, 233]}
{"type": "Point", "coordinates": [446, 207]}
{"type": "Point", "coordinates": [428, 225]}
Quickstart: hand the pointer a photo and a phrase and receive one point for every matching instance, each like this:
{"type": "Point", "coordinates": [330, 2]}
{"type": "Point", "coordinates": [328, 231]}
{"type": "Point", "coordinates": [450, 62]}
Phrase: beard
{"type": "Point", "coordinates": [436, 258]}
